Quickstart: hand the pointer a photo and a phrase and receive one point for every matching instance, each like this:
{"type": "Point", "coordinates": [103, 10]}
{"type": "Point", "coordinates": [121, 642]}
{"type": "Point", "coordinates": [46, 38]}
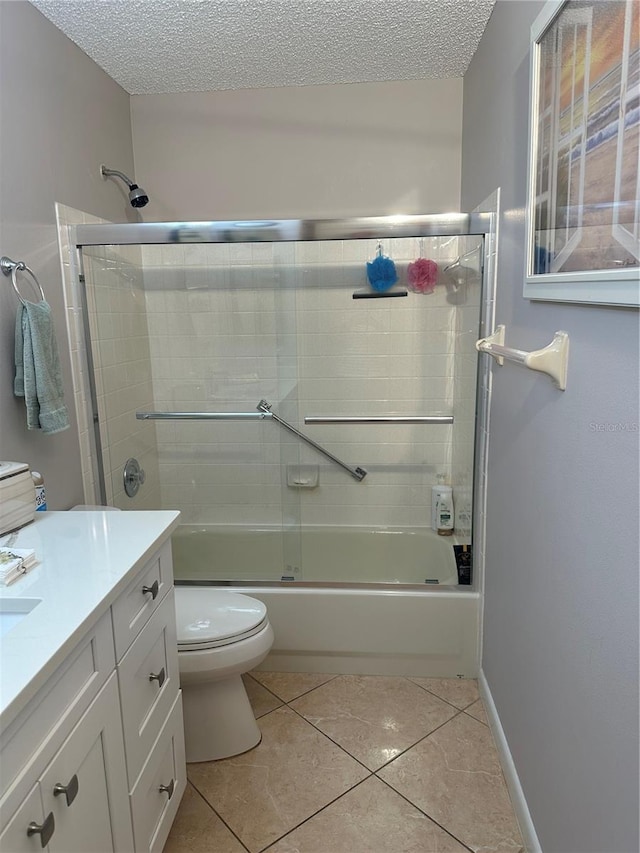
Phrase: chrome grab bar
{"type": "Point", "coordinates": [357, 473]}
{"type": "Point", "coordinates": [203, 416]}
{"type": "Point", "coordinates": [381, 419]}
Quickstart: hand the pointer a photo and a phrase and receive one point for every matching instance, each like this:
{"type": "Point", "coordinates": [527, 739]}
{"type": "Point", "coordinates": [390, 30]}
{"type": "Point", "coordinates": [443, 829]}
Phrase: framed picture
{"type": "Point", "coordinates": [583, 203]}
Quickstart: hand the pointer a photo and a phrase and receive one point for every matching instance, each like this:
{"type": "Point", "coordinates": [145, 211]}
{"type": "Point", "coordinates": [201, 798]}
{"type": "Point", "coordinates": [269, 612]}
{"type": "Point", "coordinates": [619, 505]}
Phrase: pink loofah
{"type": "Point", "coordinates": [422, 276]}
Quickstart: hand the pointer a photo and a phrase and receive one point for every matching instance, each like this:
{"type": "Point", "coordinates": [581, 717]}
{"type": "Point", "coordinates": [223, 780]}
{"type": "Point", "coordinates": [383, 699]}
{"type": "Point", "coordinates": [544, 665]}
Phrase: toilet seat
{"type": "Point", "coordinates": [208, 618]}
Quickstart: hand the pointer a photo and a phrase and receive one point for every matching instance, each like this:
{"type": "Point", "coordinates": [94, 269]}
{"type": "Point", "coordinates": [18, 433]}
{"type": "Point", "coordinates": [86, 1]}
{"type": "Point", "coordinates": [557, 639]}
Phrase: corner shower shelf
{"type": "Point", "coordinates": [551, 359]}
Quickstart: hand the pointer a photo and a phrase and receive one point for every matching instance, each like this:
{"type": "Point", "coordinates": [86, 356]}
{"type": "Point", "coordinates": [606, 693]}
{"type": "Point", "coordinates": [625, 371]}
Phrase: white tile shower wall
{"type": "Point", "coordinates": [120, 347]}
{"type": "Point", "coordinates": [222, 337]}
{"type": "Point", "coordinates": [212, 327]}
{"type": "Point", "coordinates": [373, 357]}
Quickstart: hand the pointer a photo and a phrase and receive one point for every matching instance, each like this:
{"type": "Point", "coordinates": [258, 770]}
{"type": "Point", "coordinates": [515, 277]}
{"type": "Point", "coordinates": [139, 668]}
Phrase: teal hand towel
{"type": "Point", "coordinates": [38, 377]}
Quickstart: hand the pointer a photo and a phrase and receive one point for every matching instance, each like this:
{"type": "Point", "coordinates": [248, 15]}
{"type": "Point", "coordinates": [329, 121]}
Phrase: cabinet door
{"type": "Point", "coordinates": [15, 837]}
{"type": "Point", "coordinates": [38, 731]}
{"type": "Point", "coordinates": [85, 785]}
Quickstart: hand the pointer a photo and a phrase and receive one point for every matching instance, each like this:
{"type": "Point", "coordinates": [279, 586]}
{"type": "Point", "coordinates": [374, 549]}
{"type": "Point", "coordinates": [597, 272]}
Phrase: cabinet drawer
{"type": "Point", "coordinates": [141, 599]}
{"type": "Point", "coordinates": [149, 683]}
{"type": "Point", "coordinates": [31, 740]}
{"type": "Point", "coordinates": [152, 808]}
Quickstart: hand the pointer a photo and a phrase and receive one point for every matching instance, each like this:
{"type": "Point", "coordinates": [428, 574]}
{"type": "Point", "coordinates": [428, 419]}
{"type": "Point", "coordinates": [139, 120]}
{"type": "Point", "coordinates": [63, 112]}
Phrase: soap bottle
{"type": "Point", "coordinates": [444, 511]}
{"type": "Point", "coordinates": [435, 497]}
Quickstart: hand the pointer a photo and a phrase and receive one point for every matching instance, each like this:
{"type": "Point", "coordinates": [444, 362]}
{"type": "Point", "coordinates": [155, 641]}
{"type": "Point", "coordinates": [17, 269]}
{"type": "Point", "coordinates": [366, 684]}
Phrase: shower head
{"type": "Point", "coordinates": [137, 196]}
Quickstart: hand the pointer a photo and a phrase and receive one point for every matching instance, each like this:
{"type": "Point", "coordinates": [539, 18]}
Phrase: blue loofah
{"type": "Point", "coordinates": [381, 272]}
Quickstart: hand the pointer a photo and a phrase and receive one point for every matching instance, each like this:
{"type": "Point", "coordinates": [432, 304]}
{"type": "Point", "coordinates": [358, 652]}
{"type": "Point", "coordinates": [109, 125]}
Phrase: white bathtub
{"type": "Point", "coordinates": [382, 602]}
{"type": "Point", "coordinates": [317, 554]}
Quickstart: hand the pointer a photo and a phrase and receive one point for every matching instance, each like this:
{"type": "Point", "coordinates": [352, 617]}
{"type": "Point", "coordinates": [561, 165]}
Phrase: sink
{"type": "Point", "coordinates": [13, 611]}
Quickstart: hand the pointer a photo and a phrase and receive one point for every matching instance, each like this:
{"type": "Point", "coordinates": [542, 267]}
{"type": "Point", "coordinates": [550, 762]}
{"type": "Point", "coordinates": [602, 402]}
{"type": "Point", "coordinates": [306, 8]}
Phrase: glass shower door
{"type": "Point", "coordinates": [387, 385]}
{"type": "Point", "coordinates": [199, 328]}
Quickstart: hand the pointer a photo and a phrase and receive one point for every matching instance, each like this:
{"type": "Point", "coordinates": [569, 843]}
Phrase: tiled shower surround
{"type": "Point", "coordinates": [227, 325]}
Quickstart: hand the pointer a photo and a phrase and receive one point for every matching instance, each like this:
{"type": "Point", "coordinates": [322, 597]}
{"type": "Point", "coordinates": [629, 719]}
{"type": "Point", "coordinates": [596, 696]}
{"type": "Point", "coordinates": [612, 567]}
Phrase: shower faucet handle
{"type": "Point", "coordinates": [133, 477]}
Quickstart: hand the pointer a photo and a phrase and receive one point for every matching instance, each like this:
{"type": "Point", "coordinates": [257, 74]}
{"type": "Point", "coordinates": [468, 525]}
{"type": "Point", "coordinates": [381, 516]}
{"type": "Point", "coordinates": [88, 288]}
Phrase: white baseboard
{"type": "Point", "coordinates": [529, 836]}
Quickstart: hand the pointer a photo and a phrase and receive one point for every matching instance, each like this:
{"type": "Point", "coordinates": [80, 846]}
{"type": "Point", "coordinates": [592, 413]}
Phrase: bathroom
{"type": "Point", "coordinates": [557, 640]}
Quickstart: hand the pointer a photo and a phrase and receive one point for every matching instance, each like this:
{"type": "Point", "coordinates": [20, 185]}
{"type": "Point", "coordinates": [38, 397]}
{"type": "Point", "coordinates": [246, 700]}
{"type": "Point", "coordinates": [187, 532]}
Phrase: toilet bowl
{"type": "Point", "coordinates": [221, 635]}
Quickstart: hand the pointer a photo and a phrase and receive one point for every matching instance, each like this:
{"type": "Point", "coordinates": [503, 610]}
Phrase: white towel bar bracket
{"type": "Point", "coordinates": [552, 359]}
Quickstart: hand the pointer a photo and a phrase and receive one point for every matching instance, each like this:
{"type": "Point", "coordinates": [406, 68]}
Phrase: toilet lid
{"type": "Point", "coordinates": [207, 617]}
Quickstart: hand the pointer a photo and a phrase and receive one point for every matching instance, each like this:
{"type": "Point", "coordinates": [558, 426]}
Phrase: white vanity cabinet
{"type": "Point", "coordinates": [73, 717]}
{"type": "Point", "coordinates": [94, 762]}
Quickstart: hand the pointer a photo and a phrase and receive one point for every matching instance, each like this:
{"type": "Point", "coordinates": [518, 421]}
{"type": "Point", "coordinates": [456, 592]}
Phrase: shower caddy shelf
{"type": "Point", "coordinates": [551, 360]}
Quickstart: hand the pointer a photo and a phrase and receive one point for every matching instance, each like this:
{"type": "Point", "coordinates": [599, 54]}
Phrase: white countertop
{"type": "Point", "coordinates": [86, 560]}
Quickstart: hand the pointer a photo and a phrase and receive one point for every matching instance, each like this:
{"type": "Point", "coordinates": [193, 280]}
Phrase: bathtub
{"type": "Point", "coordinates": [354, 600]}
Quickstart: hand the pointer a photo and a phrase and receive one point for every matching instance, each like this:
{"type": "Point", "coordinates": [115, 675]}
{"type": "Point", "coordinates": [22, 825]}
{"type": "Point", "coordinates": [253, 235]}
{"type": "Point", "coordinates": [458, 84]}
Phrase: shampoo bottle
{"type": "Point", "coordinates": [444, 511]}
{"type": "Point", "coordinates": [436, 492]}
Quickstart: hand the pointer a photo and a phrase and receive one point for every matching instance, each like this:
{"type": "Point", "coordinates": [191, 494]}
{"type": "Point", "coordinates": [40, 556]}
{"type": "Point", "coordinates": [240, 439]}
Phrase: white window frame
{"type": "Point", "coordinates": [629, 239]}
{"type": "Point", "coordinates": [619, 286]}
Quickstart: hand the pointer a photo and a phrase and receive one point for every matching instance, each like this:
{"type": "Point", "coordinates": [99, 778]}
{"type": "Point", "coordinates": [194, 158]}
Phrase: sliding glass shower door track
{"type": "Point", "coordinates": [281, 230]}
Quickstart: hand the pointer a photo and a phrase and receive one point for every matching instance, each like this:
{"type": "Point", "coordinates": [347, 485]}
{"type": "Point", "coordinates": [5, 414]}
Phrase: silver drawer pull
{"type": "Point", "coordinates": [158, 676]}
{"type": "Point", "coordinates": [153, 589]}
{"type": "Point", "coordinates": [167, 789]}
{"type": "Point", "coordinates": [69, 790]}
{"type": "Point", "coordinates": [44, 830]}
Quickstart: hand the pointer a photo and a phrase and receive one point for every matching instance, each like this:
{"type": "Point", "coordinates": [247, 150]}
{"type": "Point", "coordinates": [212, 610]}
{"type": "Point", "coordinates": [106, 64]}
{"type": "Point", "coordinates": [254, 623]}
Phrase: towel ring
{"type": "Point", "coordinates": [12, 268]}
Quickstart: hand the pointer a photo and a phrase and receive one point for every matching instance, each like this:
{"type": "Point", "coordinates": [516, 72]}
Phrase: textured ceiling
{"type": "Point", "coordinates": [156, 46]}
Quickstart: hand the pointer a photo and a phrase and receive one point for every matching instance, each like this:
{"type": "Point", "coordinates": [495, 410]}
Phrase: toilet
{"type": "Point", "coordinates": [221, 635]}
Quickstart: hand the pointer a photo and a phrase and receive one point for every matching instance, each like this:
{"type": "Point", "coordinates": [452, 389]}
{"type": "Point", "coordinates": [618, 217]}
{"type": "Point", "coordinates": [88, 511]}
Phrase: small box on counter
{"type": "Point", "coordinates": [17, 496]}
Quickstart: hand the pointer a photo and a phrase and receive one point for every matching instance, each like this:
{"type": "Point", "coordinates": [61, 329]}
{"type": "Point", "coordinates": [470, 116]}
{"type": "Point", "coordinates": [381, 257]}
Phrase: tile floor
{"type": "Point", "coordinates": [354, 764]}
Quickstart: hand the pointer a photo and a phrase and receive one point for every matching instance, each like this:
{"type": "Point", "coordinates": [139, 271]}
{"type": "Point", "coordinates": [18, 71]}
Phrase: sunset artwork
{"type": "Point", "coordinates": [586, 205]}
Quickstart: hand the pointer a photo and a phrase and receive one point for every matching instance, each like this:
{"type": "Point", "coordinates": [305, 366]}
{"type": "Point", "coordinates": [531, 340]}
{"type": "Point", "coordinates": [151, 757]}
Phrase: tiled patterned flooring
{"type": "Point", "coordinates": [354, 764]}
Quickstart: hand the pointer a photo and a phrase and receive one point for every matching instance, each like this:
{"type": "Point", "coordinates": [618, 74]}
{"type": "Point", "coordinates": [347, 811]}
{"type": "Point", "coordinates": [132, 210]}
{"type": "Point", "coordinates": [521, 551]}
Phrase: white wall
{"type": "Point", "coordinates": [61, 118]}
{"type": "Point", "coordinates": [561, 608]}
{"type": "Point", "coordinates": [300, 152]}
